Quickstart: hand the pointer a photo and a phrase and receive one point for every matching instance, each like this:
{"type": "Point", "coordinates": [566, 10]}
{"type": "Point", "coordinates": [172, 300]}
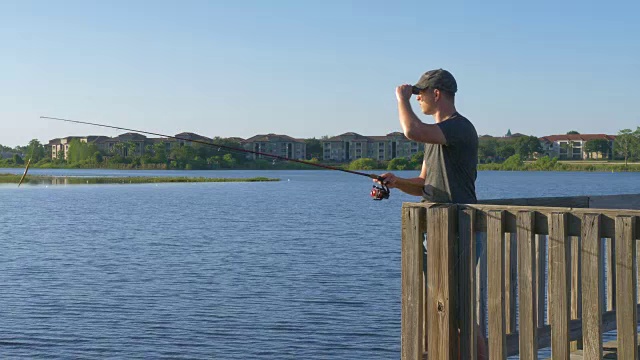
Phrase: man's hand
{"type": "Point", "coordinates": [389, 180]}
{"type": "Point", "coordinates": [404, 92]}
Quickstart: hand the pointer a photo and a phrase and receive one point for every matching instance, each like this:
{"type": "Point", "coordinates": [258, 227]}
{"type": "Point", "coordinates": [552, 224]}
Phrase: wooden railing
{"type": "Point", "coordinates": [444, 303]}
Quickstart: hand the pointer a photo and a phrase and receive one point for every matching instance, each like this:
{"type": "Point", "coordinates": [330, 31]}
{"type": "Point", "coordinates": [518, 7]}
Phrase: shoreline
{"type": "Point", "coordinates": [66, 180]}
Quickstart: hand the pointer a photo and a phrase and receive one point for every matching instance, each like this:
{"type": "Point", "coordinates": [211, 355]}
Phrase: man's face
{"type": "Point", "coordinates": [427, 100]}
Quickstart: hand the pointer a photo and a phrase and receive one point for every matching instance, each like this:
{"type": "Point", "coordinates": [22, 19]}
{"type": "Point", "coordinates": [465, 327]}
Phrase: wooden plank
{"type": "Point", "coordinates": [575, 332]}
{"type": "Point", "coordinates": [510, 281]}
{"type": "Point", "coordinates": [637, 269]}
{"type": "Point", "coordinates": [591, 290]}
{"type": "Point", "coordinates": [495, 258]}
{"type": "Point", "coordinates": [442, 292]}
{"type": "Point", "coordinates": [541, 256]}
{"type": "Point", "coordinates": [526, 288]}
{"type": "Point", "coordinates": [467, 284]}
{"type": "Point", "coordinates": [607, 223]}
{"type": "Point", "coordinates": [481, 285]}
{"type": "Point", "coordinates": [412, 317]}
{"type": "Point", "coordinates": [611, 274]}
{"type": "Point", "coordinates": [559, 286]}
{"type": "Point", "coordinates": [576, 286]}
{"type": "Point", "coordinates": [565, 201]}
{"type": "Point", "coordinates": [626, 280]}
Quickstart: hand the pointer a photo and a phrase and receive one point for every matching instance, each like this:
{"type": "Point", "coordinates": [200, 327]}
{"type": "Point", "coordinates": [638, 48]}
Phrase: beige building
{"type": "Point", "coordinates": [350, 146]}
{"type": "Point", "coordinates": [571, 146]}
{"type": "Point", "coordinates": [274, 144]}
{"type": "Point", "coordinates": [60, 147]}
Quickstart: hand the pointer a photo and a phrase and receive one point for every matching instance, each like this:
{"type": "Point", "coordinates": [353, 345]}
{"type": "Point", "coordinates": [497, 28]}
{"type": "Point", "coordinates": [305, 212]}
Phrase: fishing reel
{"type": "Point", "coordinates": [380, 192]}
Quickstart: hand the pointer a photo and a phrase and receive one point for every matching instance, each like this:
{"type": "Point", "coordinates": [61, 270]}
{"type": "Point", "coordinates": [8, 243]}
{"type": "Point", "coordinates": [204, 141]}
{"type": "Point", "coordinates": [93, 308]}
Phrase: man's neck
{"type": "Point", "coordinates": [444, 113]}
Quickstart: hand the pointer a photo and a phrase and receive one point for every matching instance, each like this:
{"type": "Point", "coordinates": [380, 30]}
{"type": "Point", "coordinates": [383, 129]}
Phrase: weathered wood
{"type": "Point", "coordinates": [576, 286]}
{"type": "Point", "coordinates": [541, 257]}
{"type": "Point", "coordinates": [559, 269]}
{"type": "Point", "coordinates": [495, 258]}
{"type": "Point", "coordinates": [481, 285]}
{"type": "Point", "coordinates": [565, 201]}
{"type": "Point", "coordinates": [607, 222]}
{"type": "Point", "coordinates": [591, 289]}
{"type": "Point", "coordinates": [637, 270]}
{"type": "Point", "coordinates": [526, 288]}
{"type": "Point", "coordinates": [467, 284]}
{"type": "Point", "coordinates": [575, 332]}
{"type": "Point", "coordinates": [626, 281]}
{"type": "Point", "coordinates": [611, 274]}
{"type": "Point", "coordinates": [442, 293]}
{"type": "Point", "coordinates": [510, 281]}
{"type": "Point", "coordinates": [412, 317]}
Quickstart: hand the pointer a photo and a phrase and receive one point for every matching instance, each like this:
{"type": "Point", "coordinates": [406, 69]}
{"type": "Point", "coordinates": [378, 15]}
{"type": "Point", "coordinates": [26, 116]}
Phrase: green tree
{"type": "Point", "coordinates": [35, 151]}
{"type": "Point", "coordinates": [159, 151]}
{"type": "Point", "coordinates": [363, 164]}
{"type": "Point", "coordinates": [527, 146]}
{"type": "Point", "coordinates": [573, 132]}
{"type": "Point", "coordinates": [398, 164]}
{"type": "Point", "coordinates": [416, 160]}
{"type": "Point", "coordinates": [625, 144]}
{"type": "Point", "coordinates": [229, 161]}
{"type": "Point", "coordinates": [599, 146]}
{"type": "Point", "coordinates": [505, 150]}
{"type": "Point", "coordinates": [314, 148]}
{"type": "Point", "coordinates": [513, 163]}
{"type": "Point", "coordinates": [17, 159]}
{"type": "Point", "coordinates": [487, 149]}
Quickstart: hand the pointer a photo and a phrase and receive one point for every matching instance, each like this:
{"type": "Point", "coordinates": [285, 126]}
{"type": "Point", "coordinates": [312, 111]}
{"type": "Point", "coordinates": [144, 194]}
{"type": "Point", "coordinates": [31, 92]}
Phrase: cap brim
{"type": "Point", "coordinates": [415, 90]}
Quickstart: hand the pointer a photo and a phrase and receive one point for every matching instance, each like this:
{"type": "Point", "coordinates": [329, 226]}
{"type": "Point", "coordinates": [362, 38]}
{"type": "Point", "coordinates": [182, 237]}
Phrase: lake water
{"type": "Point", "coordinates": [308, 267]}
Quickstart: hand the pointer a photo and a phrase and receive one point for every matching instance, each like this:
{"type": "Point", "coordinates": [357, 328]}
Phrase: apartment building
{"type": "Point", "coordinates": [350, 146]}
{"type": "Point", "coordinates": [572, 146]}
{"type": "Point", "coordinates": [274, 144]}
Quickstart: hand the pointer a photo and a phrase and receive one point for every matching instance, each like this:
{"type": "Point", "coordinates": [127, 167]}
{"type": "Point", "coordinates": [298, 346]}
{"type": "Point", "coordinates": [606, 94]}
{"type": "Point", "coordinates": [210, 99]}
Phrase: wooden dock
{"type": "Point", "coordinates": [578, 253]}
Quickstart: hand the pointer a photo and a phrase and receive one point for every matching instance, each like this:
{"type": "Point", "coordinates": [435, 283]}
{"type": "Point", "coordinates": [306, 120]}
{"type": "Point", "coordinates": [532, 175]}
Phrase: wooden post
{"type": "Point", "coordinates": [526, 288]}
{"type": "Point", "coordinates": [467, 284]}
{"type": "Point", "coordinates": [442, 283]}
{"type": "Point", "coordinates": [541, 256]}
{"type": "Point", "coordinates": [413, 228]}
{"type": "Point", "coordinates": [559, 285]}
{"type": "Point", "coordinates": [481, 285]}
{"type": "Point", "coordinates": [495, 258]}
{"type": "Point", "coordinates": [576, 286]}
{"type": "Point", "coordinates": [510, 286]}
{"type": "Point", "coordinates": [611, 274]}
{"type": "Point", "coordinates": [591, 288]}
{"type": "Point", "coordinates": [626, 314]}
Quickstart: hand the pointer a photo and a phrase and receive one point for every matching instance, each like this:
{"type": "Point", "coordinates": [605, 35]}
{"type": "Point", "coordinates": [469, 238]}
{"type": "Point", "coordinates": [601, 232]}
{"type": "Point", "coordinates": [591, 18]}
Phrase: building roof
{"type": "Point", "coordinates": [97, 138]}
{"type": "Point", "coordinates": [129, 136]}
{"type": "Point", "coordinates": [270, 138]}
{"type": "Point", "coordinates": [193, 136]}
{"type": "Point", "coordinates": [577, 137]}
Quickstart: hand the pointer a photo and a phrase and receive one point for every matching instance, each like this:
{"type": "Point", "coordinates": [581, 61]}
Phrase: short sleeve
{"type": "Point", "coordinates": [456, 131]}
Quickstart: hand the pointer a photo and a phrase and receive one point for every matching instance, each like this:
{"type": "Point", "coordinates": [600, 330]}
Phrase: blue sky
{"type": "Point", "coordinates": [309, 69]}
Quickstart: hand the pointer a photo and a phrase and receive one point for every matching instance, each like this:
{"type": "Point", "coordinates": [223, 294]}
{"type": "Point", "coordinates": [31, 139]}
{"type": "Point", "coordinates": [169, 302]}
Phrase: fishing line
{"type": "Point", "coordinates": [378, 193]}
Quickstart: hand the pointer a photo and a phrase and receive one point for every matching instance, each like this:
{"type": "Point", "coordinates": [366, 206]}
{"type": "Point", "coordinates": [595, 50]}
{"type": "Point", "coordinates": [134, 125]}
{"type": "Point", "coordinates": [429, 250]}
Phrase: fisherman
{"type": "Point", "coordinates": [450, 163]}
{"type": "Point", "coordinates": [449, 168]}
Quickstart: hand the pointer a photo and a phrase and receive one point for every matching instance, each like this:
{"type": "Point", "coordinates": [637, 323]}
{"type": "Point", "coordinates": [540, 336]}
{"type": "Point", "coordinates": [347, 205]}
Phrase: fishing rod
{"type": "Point", "coordinates": [377, 193]}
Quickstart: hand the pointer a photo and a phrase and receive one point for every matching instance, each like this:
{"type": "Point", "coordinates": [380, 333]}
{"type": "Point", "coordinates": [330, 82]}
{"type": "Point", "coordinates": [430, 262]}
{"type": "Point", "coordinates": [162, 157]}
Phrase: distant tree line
{"type": "Point", "coordinates": [491, 150]}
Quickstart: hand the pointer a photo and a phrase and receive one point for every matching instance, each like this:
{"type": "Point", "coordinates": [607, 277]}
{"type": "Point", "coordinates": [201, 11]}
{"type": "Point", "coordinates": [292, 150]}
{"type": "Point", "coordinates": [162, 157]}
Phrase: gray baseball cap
{"type": "Point", "coordinates": [436, 79]}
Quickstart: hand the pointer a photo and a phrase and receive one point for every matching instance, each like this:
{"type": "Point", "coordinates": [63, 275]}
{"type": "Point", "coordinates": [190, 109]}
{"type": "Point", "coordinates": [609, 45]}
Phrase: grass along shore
{"type": "Point", "coordinates": [45, 179]}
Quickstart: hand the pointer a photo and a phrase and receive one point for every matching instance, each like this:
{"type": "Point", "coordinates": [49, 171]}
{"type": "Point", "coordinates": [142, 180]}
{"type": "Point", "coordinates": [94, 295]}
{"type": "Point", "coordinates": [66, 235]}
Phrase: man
{"type": "Point", "coordinates": [449, 169]}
